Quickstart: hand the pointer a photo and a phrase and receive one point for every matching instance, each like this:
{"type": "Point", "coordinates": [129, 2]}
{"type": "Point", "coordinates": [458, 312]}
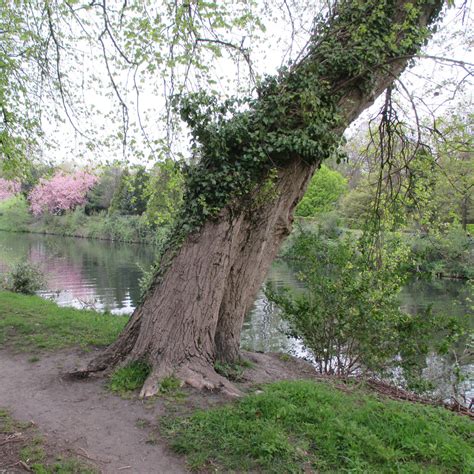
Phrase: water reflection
{"type": "Point", "coordinates": [79, 271]}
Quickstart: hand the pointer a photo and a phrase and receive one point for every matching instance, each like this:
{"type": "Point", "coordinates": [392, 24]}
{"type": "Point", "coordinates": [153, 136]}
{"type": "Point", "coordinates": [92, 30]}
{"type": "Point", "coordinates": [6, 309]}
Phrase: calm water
{"type": "Point", "coordinates": [105, 275]}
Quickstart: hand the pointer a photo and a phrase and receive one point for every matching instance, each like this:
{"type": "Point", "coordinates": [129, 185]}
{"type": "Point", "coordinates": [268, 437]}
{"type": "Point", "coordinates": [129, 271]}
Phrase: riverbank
{"type": "Point", "coordinates": [14, 217]}
{"type": "Point", "coordinates": [448, 255]}
{"type": "Point", "coordinates": [289, 426]}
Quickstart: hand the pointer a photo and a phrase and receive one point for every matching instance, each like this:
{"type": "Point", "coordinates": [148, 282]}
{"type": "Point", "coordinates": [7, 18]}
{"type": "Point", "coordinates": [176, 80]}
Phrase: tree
{"type": "Point", "coordinates": [8, 188]}
{"type": "Point", "coordinates": [324, 190]}
{"type": "Point", "coordinates": [19, 124]}
{"type": "Point", "coordinates": [252, 166]}
{"type": "Point", "coordinates": [122, 198]}
{"type": "Point", "coordinates": [100, 196]}
{"type": "Point", "coordinates": [130, 196]}
{"type": "Point", "coordinates": [61, 193]}
{"type": "Point", "coordinates": [166, 193]}
{"type": "Point", "coordinates": [455, 150]}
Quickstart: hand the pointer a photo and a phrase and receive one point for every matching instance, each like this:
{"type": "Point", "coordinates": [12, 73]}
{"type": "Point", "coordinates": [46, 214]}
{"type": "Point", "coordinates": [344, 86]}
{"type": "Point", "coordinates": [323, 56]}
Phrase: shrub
{"type": "Point", "coordinates": [24, 278]}
{"type": "Point", "coordinates": [14, 215]}
{"type": "Point", "coordinates": [450, 253]}
{"type": "Point", "coordinates": [349, 316]}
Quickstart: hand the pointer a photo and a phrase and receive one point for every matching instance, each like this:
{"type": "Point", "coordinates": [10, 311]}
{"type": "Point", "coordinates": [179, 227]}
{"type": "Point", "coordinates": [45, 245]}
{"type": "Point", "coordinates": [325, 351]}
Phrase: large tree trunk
{"type": "Point", "coordinates": [261, 234]}
{"type": "Point", "coordinates": [193, 313]}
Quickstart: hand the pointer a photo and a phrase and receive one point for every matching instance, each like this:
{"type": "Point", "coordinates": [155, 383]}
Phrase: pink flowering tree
{"type": "Point", "coordinates": [61, 193]}
{"type": "Point", "coordinates": [8, 188]}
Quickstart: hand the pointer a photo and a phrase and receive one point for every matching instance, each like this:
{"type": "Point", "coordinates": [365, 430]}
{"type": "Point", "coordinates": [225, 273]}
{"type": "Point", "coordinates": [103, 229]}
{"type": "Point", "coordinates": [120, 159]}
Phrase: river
{"type": "Point", "coordinates": [105, 275]}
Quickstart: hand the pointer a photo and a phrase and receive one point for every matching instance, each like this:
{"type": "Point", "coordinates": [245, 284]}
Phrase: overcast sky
{"type": "Point", "coordinates": [429, 84]}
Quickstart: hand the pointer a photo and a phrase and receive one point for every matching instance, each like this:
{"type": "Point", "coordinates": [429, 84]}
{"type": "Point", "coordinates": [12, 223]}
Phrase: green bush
{"type": "Point", "coordinates": [14, 215]}
{"type": "Point", "coordinates": [24, 278]}
{"type": "Point", "coordinates": [165, 189]}
{"type": "Point", "coordinates": [323, 192]}
{"type": "Point", "coordinates": [449, 253]}
{"type": "Point", "coordinates": [349, 316]}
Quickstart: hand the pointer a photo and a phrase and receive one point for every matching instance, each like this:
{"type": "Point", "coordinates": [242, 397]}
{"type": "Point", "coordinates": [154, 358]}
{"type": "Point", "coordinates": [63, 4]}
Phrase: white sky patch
{"type": "Point", "coordinates": [433, 86]}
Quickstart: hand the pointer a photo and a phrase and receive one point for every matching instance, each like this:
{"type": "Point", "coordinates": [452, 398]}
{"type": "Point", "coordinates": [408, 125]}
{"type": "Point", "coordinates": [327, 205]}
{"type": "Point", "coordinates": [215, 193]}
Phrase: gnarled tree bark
{"type": "Point", "coordinates": [193, 315]}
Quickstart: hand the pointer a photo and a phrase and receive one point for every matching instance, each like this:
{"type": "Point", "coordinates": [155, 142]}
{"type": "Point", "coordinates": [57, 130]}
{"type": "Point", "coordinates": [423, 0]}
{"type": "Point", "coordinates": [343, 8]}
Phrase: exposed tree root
{"type": "Point", "coordinates": [196, 374]}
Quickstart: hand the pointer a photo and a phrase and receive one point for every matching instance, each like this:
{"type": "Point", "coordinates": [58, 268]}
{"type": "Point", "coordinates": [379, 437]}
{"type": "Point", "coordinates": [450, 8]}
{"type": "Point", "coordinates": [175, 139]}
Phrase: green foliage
{"type": "Point", "coordinates": [237, 144]}
{"type": "Point", "coordinates": [129, 378]}
{"type": "Point", "coordinates": [14, 215]}
{"type": "Point", "coordinates": [349, 316]}
{"type": "Point", "coordinates": [301, 426]}
{"type": "Point", "coordinates": [19, 127]}
{"type": "Point", "coordinates": [419, 188]}
{"type": "Point", "coordinates": [455, 149]}
{"type": "Point", "coordinates": [24, 278]}
{"type": "Point", "coordinates": [131, 197]}
{"type": "Point", "coordinates": [99, 198]}
{"type": "Point", "coordinates": [119, 228]}
{"type": "Point", "coordinates": [97, 226]}
{"type": "Point", "coordinates": [357, 205]}
{"type": "Point", "coordinates": [165, 190]}
{"type": "Point", "coordinates": [437, 254]}
{"type": "Point", "coordinates": [29, 323]}
{"type": "Point", "coordinates": [324, 190]}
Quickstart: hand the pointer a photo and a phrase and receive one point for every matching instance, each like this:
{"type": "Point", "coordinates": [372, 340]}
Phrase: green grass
{"type": "Point", "coordinates": [302, 426]}
{"type": "Point", "coordinates": [170, 385]}
{"type": "Point", "coordinates": [129, 378]}
{"type": "Point", "coordinates": [132, 377]}
{"type": "Point", "coordinates": [63, 466]}
{"type": "Point", "coordinates": [30, 323]}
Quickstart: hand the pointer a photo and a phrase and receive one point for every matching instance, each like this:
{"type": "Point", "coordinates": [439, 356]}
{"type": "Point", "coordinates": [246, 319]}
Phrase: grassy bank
{"type": "Point", "coordinates": [307, 426]}
{"type": "Point", "coordinates": [30, 323]}
{"type": "Point", "coordinates": [14, 217]}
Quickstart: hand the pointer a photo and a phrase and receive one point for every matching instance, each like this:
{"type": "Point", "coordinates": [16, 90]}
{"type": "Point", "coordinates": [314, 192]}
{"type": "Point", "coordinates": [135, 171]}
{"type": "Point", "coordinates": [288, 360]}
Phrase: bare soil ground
{"type": "Point", "coordinates": [83, 419]}
{"type": "Point", "coordinates": [82, 416]}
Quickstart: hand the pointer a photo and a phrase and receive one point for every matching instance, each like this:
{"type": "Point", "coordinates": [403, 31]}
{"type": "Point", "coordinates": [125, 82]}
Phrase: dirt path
{"type": "Point", "coordinates": [83, 416]}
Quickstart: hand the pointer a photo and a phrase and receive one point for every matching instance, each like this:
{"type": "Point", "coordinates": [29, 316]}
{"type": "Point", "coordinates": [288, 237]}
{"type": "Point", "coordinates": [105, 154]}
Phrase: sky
{"type": "Point", "coordinates": [94, 137]}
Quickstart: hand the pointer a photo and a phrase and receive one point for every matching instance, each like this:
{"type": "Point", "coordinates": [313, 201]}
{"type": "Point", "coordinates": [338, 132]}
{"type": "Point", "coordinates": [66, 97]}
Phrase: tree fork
{"type": "Point", "coordinates": [194, 311]}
